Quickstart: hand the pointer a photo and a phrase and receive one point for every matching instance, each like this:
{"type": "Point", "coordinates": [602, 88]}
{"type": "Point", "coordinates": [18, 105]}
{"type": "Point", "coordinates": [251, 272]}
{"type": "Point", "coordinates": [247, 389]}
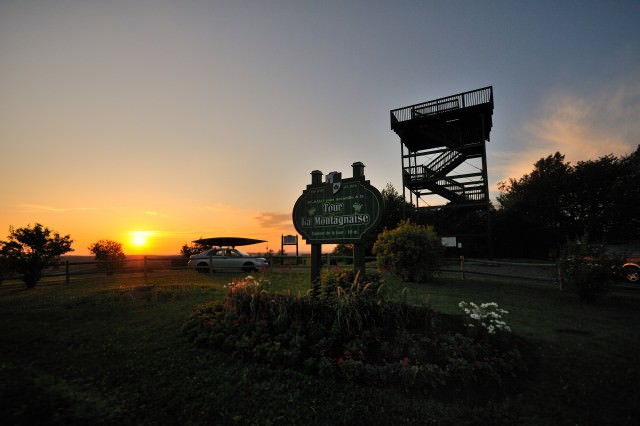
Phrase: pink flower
{"type": "Point", "coordinates": [405, 361]}
{"type": "Point", "coordinates": [340, 360]}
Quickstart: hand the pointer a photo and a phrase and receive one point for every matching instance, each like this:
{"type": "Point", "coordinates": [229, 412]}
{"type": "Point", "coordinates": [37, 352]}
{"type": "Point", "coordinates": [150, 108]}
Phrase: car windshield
{"type": "Point", "coordinates": [242, 253]}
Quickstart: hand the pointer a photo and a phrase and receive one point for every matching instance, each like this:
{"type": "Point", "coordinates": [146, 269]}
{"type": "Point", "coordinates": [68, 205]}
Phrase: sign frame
{"type": "Point", "coordinates": [337, 212]}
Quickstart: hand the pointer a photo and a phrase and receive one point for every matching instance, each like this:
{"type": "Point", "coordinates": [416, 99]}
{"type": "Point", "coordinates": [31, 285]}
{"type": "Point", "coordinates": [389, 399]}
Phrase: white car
{"type": "Point", "coordinates": [226, 258]}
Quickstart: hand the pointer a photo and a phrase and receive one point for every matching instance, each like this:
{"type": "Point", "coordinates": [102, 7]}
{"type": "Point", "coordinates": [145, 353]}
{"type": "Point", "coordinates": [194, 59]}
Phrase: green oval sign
{"type": "Point", "coordinates": [335, 213]}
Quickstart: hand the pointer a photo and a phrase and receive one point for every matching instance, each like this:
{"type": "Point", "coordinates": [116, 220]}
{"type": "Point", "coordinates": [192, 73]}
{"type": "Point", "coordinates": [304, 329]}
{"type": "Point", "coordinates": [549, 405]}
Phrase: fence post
{"type": "Point", "coordinates": [559, 276]}
{"type": "Point", "coordinates": [144, 267]}
{"type": "Point", "coordinates": [67, 277]}
{"type": "Point", "coordinates": [462, 267]}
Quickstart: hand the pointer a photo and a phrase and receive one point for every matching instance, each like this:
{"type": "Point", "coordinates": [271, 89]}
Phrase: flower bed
{"type": "Point", "coordinates": [358, 336]}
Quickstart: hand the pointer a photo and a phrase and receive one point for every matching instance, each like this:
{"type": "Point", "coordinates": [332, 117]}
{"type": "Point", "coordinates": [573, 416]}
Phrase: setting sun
{"type": "Point", "coordinates": [140, 238]}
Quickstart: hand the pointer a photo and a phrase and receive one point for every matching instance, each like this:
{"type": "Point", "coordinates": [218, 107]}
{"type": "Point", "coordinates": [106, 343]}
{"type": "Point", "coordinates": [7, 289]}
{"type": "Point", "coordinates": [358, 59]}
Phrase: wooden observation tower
{"type": "Point", "coordinates": [444, 161]}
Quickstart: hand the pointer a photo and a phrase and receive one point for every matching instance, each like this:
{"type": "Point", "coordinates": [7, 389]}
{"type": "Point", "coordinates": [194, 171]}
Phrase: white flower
{"type": "Point", "coordinates": [488, 316]}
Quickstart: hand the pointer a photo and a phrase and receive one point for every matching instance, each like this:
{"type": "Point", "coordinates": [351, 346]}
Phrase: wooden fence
{"type": "Point", "coordinates": [131, 265]}
{"type": "Point", "coordinates": [461, 268]}
{"type": "Point", "coordinates": [546, 272]}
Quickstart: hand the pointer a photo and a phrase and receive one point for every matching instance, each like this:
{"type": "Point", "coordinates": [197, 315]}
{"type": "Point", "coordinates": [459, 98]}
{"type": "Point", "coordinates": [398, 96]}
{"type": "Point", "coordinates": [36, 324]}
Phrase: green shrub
{"type": "Point", "coordinates": [586, 269]}
{"type": "Point", "coordinates": [409, 251]}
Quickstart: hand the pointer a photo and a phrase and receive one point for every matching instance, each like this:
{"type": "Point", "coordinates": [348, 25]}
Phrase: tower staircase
{"type": "Point", "coordinates": [438, 137]}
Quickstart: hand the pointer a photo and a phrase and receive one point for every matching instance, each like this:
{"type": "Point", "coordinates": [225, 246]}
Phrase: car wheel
{"type": "Point", "coordinates": [203, 268]}
{"type": "Point", "coordinates": [248, 267]}
{"type": "Point", "coordinates": [632, 274]}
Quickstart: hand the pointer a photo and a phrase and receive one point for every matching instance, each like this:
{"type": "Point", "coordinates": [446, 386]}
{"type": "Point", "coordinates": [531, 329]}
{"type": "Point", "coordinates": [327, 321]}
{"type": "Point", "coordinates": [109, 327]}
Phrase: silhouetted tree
{"type": "Point", "coordinates": [4, 266]}
{"type": "Point", "coordinates": [344, 250]}
{"type": "Point", "coordinates": [624, 191]}
{"type": "Point", "coordinates": [535, 214]}
{"type": "Point", "coordinates": [558, 202]}
{"type": "Point", "coordinates": [29, 250]}
{"type": "Point", "coordinates": [395, 207]}
{"type": "Point", "coordinates": [193, 248]}
{"type": "Point", "coordinates": [109, 254]}
{"type": "Point", "coordinates": [392, 214]}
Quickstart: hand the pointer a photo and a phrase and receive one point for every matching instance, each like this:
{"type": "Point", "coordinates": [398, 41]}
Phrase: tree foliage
{"type": "Point", "coordinates": [394, 209]}
{"type": "Point", "coordinates": [558, 202]}
{"type": "Point", "coordinates": [193, 248]}
{"type": "Point", "coordinates": [343, 250]}
{"type": "Point", "coordinates": [109, 254]}
{"type": "Point", "coordinates": [409, 251]}
{"type": "Point", "coordinates": [537, 204]}
{"type": "Point", "coordinates": [29, 250]}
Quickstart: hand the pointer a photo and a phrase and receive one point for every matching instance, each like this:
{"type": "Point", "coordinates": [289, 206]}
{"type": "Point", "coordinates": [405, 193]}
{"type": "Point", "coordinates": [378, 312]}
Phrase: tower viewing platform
{"type": "Point", "coordinates": [438, 138]}
{"type": "Point", "coordinates": [453, 121]}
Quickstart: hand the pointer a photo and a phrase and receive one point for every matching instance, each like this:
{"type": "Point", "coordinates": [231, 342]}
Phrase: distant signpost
{"type": "Point", "coordinates": [289, 240]}
{"type": "Point", "coordinates": [337, 211]}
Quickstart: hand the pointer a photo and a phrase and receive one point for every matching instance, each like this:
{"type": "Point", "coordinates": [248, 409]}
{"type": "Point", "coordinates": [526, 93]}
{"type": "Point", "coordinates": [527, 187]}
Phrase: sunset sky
{"type": "Point", "coordinates": [157, 122]}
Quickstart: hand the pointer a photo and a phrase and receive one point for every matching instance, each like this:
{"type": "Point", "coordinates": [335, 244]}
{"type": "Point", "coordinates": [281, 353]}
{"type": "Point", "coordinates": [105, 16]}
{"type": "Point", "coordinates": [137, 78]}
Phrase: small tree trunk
{"type": "Point", "coordinates": [31, 279]}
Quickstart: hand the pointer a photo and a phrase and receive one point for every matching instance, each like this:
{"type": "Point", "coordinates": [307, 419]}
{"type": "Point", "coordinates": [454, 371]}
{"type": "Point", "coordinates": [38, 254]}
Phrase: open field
{"type": "Point", "coordinates": [109, 350]}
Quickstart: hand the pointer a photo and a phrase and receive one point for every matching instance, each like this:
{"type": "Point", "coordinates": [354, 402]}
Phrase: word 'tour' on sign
{"type": "Point", "coordinates": [338, 210]}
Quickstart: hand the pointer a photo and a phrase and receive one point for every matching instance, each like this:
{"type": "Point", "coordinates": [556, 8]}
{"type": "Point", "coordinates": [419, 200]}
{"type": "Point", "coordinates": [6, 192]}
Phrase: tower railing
{"type": "Point", "coordinates": [439, 106]}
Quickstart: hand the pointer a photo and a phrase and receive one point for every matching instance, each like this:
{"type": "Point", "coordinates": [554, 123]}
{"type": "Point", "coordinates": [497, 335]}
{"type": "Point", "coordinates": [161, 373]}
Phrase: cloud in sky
{"type": "Point", "coordinates": [581, 126]}
{"type": "Point", "coordinates": [585, 128]}
{"type": "Point", "coordinates": [34, 208]}
{"type": "Point", "coordinates": [273, 220]}
{"type": "Point", "coordinates": [265, 219]}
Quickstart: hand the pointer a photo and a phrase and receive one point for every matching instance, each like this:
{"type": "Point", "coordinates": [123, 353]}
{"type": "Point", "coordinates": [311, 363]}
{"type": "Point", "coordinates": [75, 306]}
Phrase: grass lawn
{"type": "Point", "coordinates": [105, 350]}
